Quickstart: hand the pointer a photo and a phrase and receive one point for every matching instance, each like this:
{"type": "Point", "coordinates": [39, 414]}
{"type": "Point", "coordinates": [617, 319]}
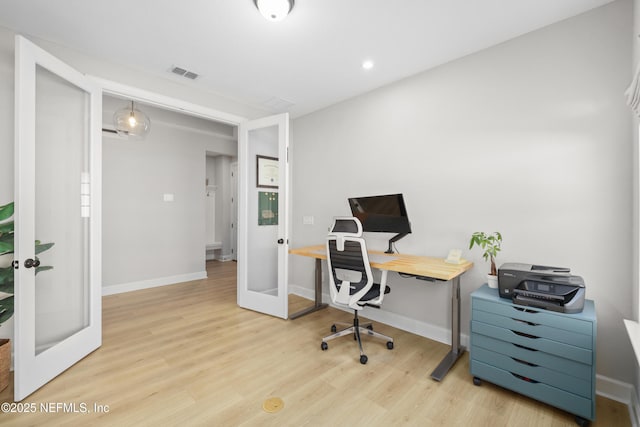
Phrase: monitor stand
{"type": "Point", "coordinates": [393, 240]}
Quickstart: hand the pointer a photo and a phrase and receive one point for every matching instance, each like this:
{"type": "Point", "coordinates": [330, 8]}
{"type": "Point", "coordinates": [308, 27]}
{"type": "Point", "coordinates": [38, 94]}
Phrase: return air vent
{"type": "Point", "coordinates": [184, 73]}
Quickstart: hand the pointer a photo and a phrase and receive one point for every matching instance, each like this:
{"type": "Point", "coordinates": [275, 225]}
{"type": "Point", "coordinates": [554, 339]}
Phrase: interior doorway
{"type": "Point", "coordinates": [220, 212]}
{"type": "Point", "coordinates": [165, 203]}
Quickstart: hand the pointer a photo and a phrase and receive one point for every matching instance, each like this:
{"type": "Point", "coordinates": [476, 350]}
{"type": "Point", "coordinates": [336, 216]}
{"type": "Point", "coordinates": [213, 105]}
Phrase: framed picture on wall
{"type": "Point", "coordinates": [267, 208]}
{"type": "Point", "coordinates": [267, 172]}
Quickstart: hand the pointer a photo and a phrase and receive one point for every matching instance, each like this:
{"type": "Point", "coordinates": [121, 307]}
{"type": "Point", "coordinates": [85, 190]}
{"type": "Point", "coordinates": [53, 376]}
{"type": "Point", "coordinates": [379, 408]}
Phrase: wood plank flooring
{"type": "Point", "coordinates": [187, 355]}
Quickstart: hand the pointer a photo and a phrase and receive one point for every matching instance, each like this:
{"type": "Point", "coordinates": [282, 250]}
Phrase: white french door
{"type": "Point", "coordinates": [57, 146]}
{"type": "Point", "coordinates": [263, 207]}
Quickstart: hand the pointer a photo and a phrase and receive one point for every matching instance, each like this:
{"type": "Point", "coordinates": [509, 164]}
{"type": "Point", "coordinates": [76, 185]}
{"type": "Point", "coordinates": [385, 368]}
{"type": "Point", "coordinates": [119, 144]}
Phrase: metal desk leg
{"type": "Point", "coordinates": [456, 349]}
{"type": "Point", "coordinates": [318, 297]}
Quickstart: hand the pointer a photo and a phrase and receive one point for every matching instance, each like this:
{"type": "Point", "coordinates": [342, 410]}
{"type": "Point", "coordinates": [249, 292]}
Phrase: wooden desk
{"type": "Point", "coordinates": [423, 266]}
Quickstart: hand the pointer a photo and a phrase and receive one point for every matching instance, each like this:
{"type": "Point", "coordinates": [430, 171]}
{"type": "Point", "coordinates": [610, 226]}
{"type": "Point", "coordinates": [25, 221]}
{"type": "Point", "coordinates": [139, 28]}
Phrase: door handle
{"type": "Point", "coordinates": [280, 241]}
{"type": "Point", "coordinates": [30, 263]}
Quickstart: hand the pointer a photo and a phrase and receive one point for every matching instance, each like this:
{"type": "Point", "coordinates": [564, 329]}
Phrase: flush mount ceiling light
{"type": "Point", "coordinates": [131, 122]}
{"type": "Point", "coordinates": [274, 10]}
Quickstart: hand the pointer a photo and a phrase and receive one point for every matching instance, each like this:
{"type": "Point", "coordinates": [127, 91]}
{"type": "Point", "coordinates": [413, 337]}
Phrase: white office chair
{"type": "Point", "coordinates": [351, 280]}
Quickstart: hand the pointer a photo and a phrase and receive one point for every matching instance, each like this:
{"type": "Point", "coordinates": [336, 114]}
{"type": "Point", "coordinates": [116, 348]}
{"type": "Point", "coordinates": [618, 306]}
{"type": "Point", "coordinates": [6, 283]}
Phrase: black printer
{"type": "Point", "coordinates": [550, 288]}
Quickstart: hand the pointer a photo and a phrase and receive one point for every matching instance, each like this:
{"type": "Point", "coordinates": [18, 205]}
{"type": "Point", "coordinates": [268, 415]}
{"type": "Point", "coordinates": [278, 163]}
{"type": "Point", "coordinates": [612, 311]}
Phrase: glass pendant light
{"type": "Point", "coordinates": [131, 122]}
{"type": "Point", "coordinates": [274, 10]}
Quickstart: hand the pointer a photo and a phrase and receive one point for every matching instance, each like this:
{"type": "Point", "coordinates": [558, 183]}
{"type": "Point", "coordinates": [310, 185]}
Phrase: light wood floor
{"type": "Point", "coordinates": [188, 355]}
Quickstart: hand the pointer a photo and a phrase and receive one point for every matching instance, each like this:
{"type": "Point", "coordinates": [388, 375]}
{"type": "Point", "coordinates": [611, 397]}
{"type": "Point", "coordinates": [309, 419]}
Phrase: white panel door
{"type": "Point", "coordinates": [263, 205]}
{"type": "Point", "coordinates": [58, 154]}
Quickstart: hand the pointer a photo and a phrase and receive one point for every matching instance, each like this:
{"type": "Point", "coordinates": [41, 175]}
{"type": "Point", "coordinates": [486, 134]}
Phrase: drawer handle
{"type": "Point", "coordinates": [522, 334]}
{"type": "Point", "coordinates": [525, 322]}
{"type": "Point", "coordinates": [520, 377]}
{"type": "Point", "coordinates": [524, 362]}
{"type": "Point", "coordinates": [525, 348]}
{"type": "Point", "coordinates": [525, 310]}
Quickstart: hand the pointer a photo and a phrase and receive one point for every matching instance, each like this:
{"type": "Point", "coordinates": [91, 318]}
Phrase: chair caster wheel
{"type": "Point", "coordinates": [324, 346]}
{"type": "Point", "coordinates": [477, 381]}
{"type": "Point", "coordinates": [333, 328]}
{"type": "Point", "coordinates": [364, 359]}
{"type": "Point", "coordinates": [390, 345]}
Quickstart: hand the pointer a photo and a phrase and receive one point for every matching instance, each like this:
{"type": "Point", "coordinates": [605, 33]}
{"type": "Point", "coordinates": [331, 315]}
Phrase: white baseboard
{"type": "Point", "coordinates": [607, 387]}
{"type": "Point", "coordinates": [620, 392]}
{"type": "Point", "coordinates": [399, 321]}
{"type": "Point", "coordinates": [152, 283]}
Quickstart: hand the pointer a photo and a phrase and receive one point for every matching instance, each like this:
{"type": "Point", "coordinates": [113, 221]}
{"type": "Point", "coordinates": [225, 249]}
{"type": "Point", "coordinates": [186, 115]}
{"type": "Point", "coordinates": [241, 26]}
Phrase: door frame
{"type": "Point", "coordinates": [110, 87]}
{"type": "Point", "coordinates": [162, 101]}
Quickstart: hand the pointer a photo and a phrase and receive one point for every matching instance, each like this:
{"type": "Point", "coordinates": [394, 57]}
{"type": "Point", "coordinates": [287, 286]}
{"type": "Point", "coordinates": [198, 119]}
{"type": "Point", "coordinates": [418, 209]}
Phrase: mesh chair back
{"type": "Point", "coordinates": [350, 276]}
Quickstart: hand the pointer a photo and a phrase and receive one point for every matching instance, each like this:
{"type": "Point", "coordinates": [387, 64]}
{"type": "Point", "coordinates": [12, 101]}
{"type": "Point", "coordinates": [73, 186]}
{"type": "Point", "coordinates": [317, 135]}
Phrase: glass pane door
{"type": "Point", "coordinates": [262, 252]}
{"type": "Point", "coordinates": [58, 155]}
{"type": "Point", "coordinates": [61, 159]}
{"type": "Point", "coordinates": [263, 215]}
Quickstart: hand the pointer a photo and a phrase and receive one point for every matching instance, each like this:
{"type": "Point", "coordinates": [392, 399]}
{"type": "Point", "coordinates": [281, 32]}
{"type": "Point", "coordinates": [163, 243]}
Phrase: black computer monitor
{"type": "Point", "coordinates": [384, 214]}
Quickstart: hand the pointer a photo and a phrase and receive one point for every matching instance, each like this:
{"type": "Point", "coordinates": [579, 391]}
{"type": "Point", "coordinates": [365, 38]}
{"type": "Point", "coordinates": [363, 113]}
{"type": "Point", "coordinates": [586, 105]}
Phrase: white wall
{"type": "Point", "coordinates": [531, 138]}
{"type": "Point", "coordinates": [146, 239]}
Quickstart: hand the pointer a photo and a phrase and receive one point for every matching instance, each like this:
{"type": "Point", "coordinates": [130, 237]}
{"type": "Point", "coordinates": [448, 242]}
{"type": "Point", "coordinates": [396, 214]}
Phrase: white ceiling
{"type": "Point", "coordinates": [312, 59]}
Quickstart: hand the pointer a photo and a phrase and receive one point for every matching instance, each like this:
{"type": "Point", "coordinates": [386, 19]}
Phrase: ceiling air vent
{"type": "Point", "coordinates": [184, 73]}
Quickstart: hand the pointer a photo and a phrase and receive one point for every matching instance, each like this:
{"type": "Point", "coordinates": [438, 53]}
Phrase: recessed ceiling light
{"type": "Point", "coordinates": [367, 65]}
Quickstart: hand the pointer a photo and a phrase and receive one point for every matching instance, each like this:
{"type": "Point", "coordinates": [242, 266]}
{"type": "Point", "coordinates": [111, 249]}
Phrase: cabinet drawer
{"type": "Point", "coordinates": [565, 322]}
{"type": "Point", "coordinates": [560, 364]}
{"type": "Point", "coordinates": [570, 402]}
{"type": "Point", "coordinates": [534, 372]}
{"type": "Point", "coordinates": [543, 344]}
{"type": "Point", "coordinates": [536, 329]}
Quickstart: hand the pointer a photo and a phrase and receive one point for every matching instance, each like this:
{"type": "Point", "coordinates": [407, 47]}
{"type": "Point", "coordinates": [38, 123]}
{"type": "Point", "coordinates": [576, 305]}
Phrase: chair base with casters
{"type": "Point", "coordinates": [357, 330]}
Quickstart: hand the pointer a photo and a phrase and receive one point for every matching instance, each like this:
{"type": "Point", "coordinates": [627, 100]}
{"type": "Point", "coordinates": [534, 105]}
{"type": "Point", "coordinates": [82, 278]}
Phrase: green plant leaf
{"type": "Point", "coordinates": [6, 211]}
{"type": "Point", "coordinates": [489, 243]}
{"type": "Point", "coordinates": [41, 247]}
{"type": "Point", "coordinates": [6, 244]}
{"type": "Point", "coordinates": [7, 227]}
{"type": "Point", "coordinates": [6, 307]}
{"type": "Point", "coordinates": [6, 279]}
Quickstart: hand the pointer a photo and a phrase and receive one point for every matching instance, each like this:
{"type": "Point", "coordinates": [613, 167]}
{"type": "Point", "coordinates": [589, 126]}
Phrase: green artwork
{"type": "Point", "coordinates": [267, 208]}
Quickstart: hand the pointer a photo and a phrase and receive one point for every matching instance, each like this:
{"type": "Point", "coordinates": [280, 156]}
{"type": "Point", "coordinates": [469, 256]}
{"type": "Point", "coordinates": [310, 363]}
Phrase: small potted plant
{"type": "Point", "coordinates": [490, 244]}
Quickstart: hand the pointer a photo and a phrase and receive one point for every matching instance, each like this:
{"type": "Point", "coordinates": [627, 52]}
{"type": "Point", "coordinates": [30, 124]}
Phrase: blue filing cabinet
{"type": "Point", "coordinates": [542, 354]}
